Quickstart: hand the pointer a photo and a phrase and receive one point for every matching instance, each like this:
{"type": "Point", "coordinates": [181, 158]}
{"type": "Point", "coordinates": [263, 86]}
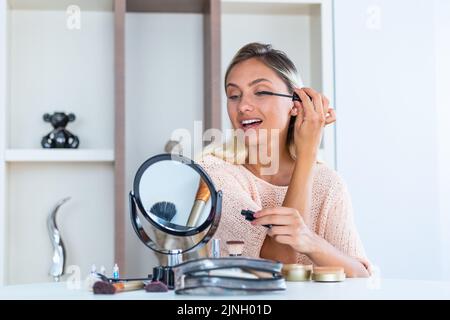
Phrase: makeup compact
{"type": "Point", "coordinates": [175, 209]}
{"type": "Point", "coordinates": [297, 272]}
{"type": "Point", "coordinates": [328, 274]}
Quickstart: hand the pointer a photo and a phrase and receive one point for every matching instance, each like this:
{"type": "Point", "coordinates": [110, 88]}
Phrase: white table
{"type": "Point", "coordinates": [349, 289]}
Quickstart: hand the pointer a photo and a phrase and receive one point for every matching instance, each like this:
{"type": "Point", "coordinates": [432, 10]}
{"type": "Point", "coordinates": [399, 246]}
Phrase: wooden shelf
{"type": "Point", "coordinates": [58, 155]}
{"type": "Point", "coordinates": [186, 6]}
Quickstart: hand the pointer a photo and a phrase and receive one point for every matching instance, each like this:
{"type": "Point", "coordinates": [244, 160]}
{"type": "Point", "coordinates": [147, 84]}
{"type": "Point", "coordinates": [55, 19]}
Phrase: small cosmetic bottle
{"type": "Point", "coordinates": [116, 271]}
{"type": "Point", "coordinates": [102, 270]}
{"type": "Point", "coordinates": [91, 278]}
{"type": "Point", "coordinates": [215, 250]}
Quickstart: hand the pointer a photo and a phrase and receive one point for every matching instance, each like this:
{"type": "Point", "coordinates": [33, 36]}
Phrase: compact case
{"type": "Point", "coordinates": [233, 275]}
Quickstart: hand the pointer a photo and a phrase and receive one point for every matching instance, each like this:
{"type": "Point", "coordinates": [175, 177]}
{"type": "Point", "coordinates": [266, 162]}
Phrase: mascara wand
{"type": "Point", "coordinates": [294, 96]}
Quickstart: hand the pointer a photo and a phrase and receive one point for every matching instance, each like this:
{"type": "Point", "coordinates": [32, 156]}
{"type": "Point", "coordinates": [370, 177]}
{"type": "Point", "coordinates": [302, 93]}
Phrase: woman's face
{"type": "Point", "coordinates": [249, 110]}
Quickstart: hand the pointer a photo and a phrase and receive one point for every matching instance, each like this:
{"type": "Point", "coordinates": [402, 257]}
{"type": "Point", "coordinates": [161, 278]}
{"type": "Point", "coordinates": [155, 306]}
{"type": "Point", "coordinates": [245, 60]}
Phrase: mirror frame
{"type": "Point", "coordinates": [212, 221]}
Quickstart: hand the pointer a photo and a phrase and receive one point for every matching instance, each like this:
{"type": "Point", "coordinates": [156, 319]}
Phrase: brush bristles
{"type": "Point", "coordinates": [156, 286]}
{"type": "Point", "coordinates": [164, 210]}
{"type": "Point", "coordinates": [103, 287]}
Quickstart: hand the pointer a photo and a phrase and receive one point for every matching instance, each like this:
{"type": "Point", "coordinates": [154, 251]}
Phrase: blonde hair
{"type": "Point", "coordinates": [234, 150]}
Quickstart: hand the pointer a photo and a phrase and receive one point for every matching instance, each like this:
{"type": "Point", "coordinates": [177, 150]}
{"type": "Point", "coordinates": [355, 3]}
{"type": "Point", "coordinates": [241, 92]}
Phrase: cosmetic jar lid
{"type": "Point", "coordinates": [297, 272]}
{"type": "Point", "coordinates": [328, 274]}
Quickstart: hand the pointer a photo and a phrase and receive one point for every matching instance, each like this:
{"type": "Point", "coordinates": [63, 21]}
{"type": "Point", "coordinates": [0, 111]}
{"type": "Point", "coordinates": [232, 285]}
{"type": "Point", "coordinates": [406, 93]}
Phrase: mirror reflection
{"type": "Point", "coordinates": [174, 195]}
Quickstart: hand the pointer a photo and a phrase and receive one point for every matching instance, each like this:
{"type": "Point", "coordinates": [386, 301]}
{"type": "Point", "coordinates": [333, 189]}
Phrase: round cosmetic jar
{"type": "Point", "coordinates": [328, 274]}
{"type": "Point", "coordinates": [297, 272]}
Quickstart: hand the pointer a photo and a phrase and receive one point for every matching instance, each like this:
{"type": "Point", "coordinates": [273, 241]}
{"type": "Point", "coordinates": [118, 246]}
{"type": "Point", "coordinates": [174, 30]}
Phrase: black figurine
{"type": "Point", "coordinates": [60, 137]}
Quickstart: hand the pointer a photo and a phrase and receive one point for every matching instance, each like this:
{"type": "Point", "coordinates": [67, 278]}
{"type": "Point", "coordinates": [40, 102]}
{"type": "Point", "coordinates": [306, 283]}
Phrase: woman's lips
{"type": "Point", "coordinates": [250, 124]}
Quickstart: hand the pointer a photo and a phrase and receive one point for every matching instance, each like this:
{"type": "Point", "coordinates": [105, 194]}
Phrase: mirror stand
{"type": "Point", "coordinates": [174, 257]}
{"type": "Point", "coordinates": [177, 198]}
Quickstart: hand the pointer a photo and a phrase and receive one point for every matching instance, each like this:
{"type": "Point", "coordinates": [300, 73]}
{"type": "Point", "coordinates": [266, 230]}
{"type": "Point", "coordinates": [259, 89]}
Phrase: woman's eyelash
{"type": "Point", "coordinates": [258, 93]}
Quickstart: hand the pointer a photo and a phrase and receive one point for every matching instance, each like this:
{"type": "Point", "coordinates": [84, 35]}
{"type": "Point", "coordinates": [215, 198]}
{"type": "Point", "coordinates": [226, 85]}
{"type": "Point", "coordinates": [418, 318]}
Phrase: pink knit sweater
{"type": "Point", "coordinates": [331, 210]}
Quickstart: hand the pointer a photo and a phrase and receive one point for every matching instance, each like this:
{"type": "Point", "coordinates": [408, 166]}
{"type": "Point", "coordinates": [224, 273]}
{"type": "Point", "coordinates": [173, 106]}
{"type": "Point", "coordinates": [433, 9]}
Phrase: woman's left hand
{"type": "Point", "coordinates": [313, 113]}
{"type": "Point", "coordinates": [287, 227]}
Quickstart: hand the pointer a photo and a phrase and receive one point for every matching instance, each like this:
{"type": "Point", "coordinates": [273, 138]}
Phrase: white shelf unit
{"type": "Point", "coordinates": [83, 63]}
{"type": "Point", "coordinates": [303, 29]}
{"type": "Point", "coordinates": [59, 155]}
{"type": "Point", "coordinates": [51, 67]}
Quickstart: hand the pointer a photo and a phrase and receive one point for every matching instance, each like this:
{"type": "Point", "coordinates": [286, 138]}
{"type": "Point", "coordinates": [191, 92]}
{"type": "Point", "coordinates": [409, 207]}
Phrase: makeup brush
{"type": "Point", "coordinates": [164, 210]}
{"type": "Point", "coordinates": [201, 198]}
{"type": "Point", "coordinates": [103, 287]}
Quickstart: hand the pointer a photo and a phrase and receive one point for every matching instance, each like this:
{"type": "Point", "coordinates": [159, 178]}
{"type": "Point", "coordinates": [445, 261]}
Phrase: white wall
{"type": "Point", "coordinates": [3, 88]}
{"type": "Point", "coordinates": [164, 91]}
{"type": "Point", "coordinates": [85, 221]}
{"type": "Point", "coordinates": [387, 146]}
{"type": "Point", "coordinates": [57, 69]}
{"type": "Point", "coordinates": [442, 36]}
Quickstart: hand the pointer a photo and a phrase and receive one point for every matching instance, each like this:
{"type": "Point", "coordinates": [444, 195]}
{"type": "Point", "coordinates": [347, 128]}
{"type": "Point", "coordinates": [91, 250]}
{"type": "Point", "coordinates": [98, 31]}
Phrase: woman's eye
{"type": "Point", "coordinates": [233, 97]}
{"type": "Point", "coordinates": [261, 93]}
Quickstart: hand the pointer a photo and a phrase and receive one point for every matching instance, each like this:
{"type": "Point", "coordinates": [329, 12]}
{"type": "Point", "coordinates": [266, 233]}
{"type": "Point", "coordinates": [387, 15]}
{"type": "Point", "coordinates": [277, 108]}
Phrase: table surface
{"type": "Point", "coordinates": [348, 289]}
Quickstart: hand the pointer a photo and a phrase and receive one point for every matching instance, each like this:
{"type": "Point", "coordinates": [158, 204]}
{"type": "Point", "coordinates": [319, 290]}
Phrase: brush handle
{"type": "Point", "coordinates": [128, 286]}
{"type": "Point", "coordinates": [203, 192]}
{"type": "Point", "coordinates": [201, 198]}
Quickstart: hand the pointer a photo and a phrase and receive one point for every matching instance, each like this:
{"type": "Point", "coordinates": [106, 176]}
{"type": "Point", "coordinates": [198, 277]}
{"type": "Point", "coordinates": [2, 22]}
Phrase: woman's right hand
{"type": "Point", "coordinates": [313, 113]}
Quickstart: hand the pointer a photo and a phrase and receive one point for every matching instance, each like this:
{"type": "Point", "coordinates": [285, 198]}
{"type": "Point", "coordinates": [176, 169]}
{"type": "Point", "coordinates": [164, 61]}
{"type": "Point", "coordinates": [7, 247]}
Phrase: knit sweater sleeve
{"type": "Point", "coordinates": [338, 225]}
{"type": "Point", "coordinates": [237, 194]}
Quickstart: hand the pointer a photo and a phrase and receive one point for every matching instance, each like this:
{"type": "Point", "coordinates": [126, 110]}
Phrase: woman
{"type": "Point", "coordinates": [305, 202]}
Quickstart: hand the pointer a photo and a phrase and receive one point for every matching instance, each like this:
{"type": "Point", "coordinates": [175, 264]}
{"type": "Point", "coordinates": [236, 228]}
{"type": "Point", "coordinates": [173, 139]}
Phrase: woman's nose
{"type": "Point", "coordinates": [245, 106]}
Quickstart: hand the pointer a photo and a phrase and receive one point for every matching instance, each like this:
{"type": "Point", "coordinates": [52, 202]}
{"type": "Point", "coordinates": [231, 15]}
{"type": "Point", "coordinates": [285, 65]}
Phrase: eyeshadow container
{"type": "Point", "coordinates": [328, 274]}
{"type": "Point", "coordinates": [297, 272]}
{"type": "Point", "coordinates": [235, 247]}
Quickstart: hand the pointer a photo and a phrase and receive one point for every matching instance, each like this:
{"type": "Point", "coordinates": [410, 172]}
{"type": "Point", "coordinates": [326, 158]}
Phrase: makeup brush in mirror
{"type": "Point", "coordinates": [201, 198]}
{"type": "Point", "coordinates": [164, 210]}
